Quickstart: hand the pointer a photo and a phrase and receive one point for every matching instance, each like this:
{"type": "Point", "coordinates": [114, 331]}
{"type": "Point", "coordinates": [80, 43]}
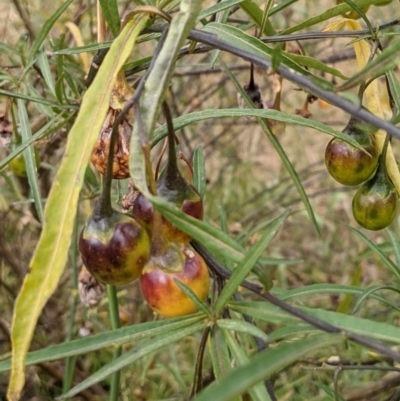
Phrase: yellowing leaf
{"type": "Point", "coordinates": [50, 257]}
{"type": "Point", "coordinates": [372, 94]}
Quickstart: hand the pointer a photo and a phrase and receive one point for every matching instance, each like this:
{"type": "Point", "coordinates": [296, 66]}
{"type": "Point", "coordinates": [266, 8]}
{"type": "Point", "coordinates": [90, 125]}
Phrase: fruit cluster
{"type": "Point", "coordinates": [376, 201]}
{"type": "Point", "coordinates": [118, 248]}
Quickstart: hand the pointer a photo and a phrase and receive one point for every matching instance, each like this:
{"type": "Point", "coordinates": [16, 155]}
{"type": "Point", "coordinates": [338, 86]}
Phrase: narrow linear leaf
{"type": "Point", "coordinates": [368, 292]}
{"type": "Point", "coordinates": [328, 391]}
{"type": "Point", "coordinates": [270, 313]}
{"type": "Point", "coordinates": [111, 15]}
{"type": "Point", "coordinates": [30, 158]}
{"type": "Point", "coordinates": [221, 361]}
{"type": "Point", "coordinates": [51, 254]}
{"type": "Point", "coordinates": [314, 63]}
{"type": "Point", "coordinates": [243, 327]}
{"type": "Point", "coordinates": [218, 242]}
{"type": "Point", "coordinates": [395, 269]}
{"type": "Point", "coordinates": [133, 355]}
{"type": "Point", "coordinates": [201, 306]}
{"type": "Point", "coordinates": [248, 262]}
{"type": "Point", "coordinates": [44, 66]}
{"type": "Point", "coordinates": [264, 365]}
{"type": "Point", "coordinates": [258, 392]}
{"type": "Point", "coordinates": [199, 171]}
{"type": "Point", "coordinates": [94, 47]}
{"type": "Point", "coordinates": [46, 29]}
{"type": "Point", "coordinates": [37, 100]}
{"type": "Point", "coordinates": [298, 330]}
{"type": "Point", "coordinates": [331, 288]}
{"type": "Point", "coordinates": [216, 8]}
{"type": "Point", "coordinates": [112, 338]}
{"type": "Point", "coordinates": [256, 14]}
{"type": "Point", "coordinates": [394, 87]}
{"type": "Point", "coordinates": [395, 243]}
{"type": "Point", "coordinates": [187, 119]}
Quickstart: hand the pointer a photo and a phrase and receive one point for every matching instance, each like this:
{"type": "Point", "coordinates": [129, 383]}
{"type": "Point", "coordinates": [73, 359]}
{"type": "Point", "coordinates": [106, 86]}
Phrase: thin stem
{"type": "Point", "coordinates": [115, 324]}
{"type": "Point", "coordinates": [385, 148]}
{"type": "Point", "coordinates": [198, 372]}
{"type": "Point", "coordinates": [172, 166]}
{"type": "Point", "coordinates": [251, 82]}
{"type": "Point", "coordinates": [164, 148]}
{"type": "Point", "coordinates": [336, 382]}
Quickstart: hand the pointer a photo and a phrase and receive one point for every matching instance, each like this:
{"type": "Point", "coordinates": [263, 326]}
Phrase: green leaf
{"type": "Point", "coordinates": [46, 29]}
{"type": "Point", "coordinates": [111, 15]}
{"type": "Point", "coordinates": [36, 100]}
{"type": "Point", "coordinates": [30, 158]}
{"type": "Point", "coordinates": [216, 8]}
{"type": "Point", "coordinates": [199, 171]}
{"type": "Point", "coordinates": [270, 313]}
{"type": "Point", "coordinates": [50, 257]}
{"type": "Point", "coordinates": [243, 327]}
{"type": "Point", "coordinates": [219, 353]}
{"type": "Point", "coordinates": [258, 392]}
{"type": "Point", "coordinates": [264, 365]}
{"type": "Point", "coordinates": [328, 391]}
{"type": "Point", "coordinates": [201, 306]}
{"type": "Point", "coordinates": [299, 330]}
{"type": "Point", "coordinates": [314, 63]}
{"type": "Point", "coordinates": [248, 262]}
{"type": "Point", "coordinates": [395, 243]}
{"type": "Point", "coordinates": [329, 289]}
{"type": "Point", "coordinates": [382, 63]}
{"type": "Point", "coordinates": [157, 85]}
{"type": "Point", "coordinates": [394, 87]}
{"type": "Point", "coordinates": [214, 239]}
{"type": "Point", "coordinates": [395, 269]}
{"type": "Point", "coordinates": [120, 336]}
{"type": "Point", "coordinates": [187, 119]}
{"type": "Point", "coordinates": [134, 354]}
{"type": "Point", "coordinates": [44, 66]}
{"type": "Point", "coordinates": [369, 291]}
{"type": "Point", "coordinates": [256, 14]}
